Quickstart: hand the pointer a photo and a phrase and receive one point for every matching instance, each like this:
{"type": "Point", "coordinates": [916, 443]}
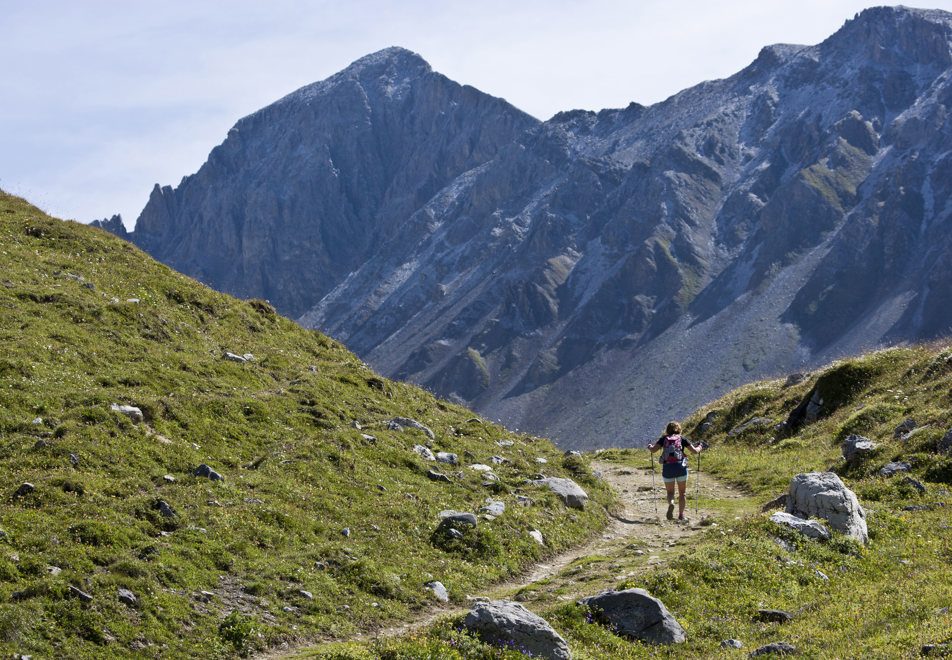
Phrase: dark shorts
{"type": "Point", "coordinates": [674, 471]}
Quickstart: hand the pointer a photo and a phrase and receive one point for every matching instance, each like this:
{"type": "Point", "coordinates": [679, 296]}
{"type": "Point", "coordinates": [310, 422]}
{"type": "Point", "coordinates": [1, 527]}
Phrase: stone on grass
{"type": "Point", "coordinates": [205, 471]}
{"type": "Point", "coordinates": [446, 457]}
{"type": "Point", "coordinates": [133, 413]}
{"type": "Point", "coordinates": [433, 475]}
{"type": "Point", "coordinates": [810, 528]}
{"type": "Point", "coordinates": [915, 483]}
{"type": "Point", "coordinates": [79, 593]}
{"type": "Point", "coordinates": [856, 448]}
{"type": "Point", "coordinates": [636, 614]}
{"type": "Point", "coordinates": [438, 590]}
{"type": "Point", "coordinates": [890, 469]}
{"type": "Point", "coordinates": [823, 495]}
{"type": "Point", "coordinates": [400, 423]}
{"type": "Point", "coordinates": [774, 616]}
{"type": "Point", "coordinates": [568, 491]}
{"type": "Point", "coordinates": [732, 644]}
{"type": "Point", "coordinates": [424, 452]}
{"type": "Point", "coordinates": [777, 648]}
{"type": "Point", "coordinates": [24, 489]}
{"type": "Point", "coordinates": [165, 509]}
{"type": "Point", "coordinates": [453, 520]}
{"type": "Point", "coordinates": [904, 429]}
{"type": "Point", "coordinates": [493, 508]}
{"type": "Point", "coordinates": [537, 535]}
{"type": "Point", "coordinates": [127, 597]}
{"type": "Point", "coordinates": [504, 622]}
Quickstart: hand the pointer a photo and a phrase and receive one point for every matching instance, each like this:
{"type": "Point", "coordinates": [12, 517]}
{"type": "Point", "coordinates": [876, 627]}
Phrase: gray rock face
{"type": "Point", "coordinates": [506, 621]}
{"type": "Point", "coordinates": [541, 271]}
{"type": "Point", "coordinates": [635, 613]}
{"type": "Point", "coordinates": [823, 495]}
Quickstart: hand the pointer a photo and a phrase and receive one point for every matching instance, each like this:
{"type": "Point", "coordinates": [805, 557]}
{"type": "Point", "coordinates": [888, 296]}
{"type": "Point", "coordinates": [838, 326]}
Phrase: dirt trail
{"type": "Point", "coordinates": [637, 527]}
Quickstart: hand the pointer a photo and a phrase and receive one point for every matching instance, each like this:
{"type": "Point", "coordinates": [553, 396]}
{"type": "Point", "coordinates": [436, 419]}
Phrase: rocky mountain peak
{"type": "Point", "coordinates": [897, 36]}
{"type": "Point", "coordinates": [392, 72]}
{"type": "Point", "coordinates": [595, 275]}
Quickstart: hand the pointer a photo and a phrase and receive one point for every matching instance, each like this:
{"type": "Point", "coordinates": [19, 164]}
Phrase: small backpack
{"type": "Point", "coordinates": [672, 451]}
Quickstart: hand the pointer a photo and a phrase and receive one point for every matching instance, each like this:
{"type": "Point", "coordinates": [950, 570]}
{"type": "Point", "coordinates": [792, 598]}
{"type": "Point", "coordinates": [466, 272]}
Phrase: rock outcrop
{"type": "Point", "coordinates": [823, 495]}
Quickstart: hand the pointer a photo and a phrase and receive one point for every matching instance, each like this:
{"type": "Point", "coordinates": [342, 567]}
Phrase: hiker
{"type": "Point", "coordinates": [674, 463]}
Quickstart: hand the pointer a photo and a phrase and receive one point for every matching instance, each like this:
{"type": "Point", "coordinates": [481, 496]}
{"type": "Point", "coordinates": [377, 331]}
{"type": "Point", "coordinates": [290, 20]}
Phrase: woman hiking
{"type": "Point", "coordinates": [674, 463]}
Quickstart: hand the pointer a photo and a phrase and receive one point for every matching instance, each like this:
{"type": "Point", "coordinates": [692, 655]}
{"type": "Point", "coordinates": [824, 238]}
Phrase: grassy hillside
{"type": "Point", "coordinates": [888, 599]}
{"type": "Point", "coordinates": [322, 525]}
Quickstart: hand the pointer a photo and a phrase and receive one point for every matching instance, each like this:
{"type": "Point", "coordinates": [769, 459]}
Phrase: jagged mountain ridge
{"type": "Point", "coordinates": [595, 274]}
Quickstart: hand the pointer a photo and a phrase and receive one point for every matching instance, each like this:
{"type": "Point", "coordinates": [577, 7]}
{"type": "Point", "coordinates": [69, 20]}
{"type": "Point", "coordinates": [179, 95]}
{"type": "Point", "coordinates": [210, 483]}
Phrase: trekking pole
{"type": "Point", "coordinates": [697, 479]}
{"type": "Point", "coordinates": [653, 495]}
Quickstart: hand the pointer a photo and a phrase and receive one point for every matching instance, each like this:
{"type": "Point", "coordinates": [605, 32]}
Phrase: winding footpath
{"type": "Point", "coordinates": [637, 528]}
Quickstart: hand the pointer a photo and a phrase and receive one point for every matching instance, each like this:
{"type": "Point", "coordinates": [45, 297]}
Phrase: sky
{"type": "Point", "coordinates": [102, 99]}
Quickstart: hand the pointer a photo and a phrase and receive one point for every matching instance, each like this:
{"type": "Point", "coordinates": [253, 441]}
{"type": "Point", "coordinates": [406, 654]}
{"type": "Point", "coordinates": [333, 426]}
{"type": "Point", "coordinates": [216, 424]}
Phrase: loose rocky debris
{"type": "Point", "coordinates": [506, 622]}
{"type": "Point", "coordinates": [823, 495]}
{"type": "Point", "coordinates": [636, 614]}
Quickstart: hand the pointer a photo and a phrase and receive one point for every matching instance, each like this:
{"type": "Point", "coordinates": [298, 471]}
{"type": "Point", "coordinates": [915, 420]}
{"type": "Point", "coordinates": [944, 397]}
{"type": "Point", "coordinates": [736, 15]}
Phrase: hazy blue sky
{"type": "Point", "coordinates": [104, 98]}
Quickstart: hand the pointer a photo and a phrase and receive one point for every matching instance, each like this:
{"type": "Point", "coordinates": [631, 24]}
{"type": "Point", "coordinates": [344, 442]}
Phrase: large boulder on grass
{"type": "Point", "coordinates": [636, 614]}
{"type": "Point", "coordinates": [567, 490]}
{"type": "Point", "coordinates": [504, 621]}
{"type": "Point", "coordinates": [823, 495]}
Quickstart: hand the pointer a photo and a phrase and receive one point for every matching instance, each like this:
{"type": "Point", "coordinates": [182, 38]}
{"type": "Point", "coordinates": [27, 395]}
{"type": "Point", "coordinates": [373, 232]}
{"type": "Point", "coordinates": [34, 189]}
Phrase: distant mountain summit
{"type": "Point", "coordinates": [596, 274]}
{"type": "Point", "coordinates": [304, 191]}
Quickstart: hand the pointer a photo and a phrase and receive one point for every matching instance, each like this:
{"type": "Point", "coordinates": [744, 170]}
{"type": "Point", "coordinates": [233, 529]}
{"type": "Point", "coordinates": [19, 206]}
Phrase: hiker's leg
{"type": "Point", "coordinates": [669, 486]}
{"type": "Point", "coordinates": [682, 499]}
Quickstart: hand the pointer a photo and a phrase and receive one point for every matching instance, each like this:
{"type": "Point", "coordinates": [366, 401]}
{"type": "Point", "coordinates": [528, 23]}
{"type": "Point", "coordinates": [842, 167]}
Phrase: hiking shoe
{"type": "Point", "coordinates": [681, 517]}
{"type": "Point", "coordinates": [670, 510]}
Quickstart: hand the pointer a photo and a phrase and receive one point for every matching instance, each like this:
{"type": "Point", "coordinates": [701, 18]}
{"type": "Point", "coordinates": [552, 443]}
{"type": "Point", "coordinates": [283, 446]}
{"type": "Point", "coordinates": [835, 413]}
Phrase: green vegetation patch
{"type": "Point", "coordinates": [314, 516]}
